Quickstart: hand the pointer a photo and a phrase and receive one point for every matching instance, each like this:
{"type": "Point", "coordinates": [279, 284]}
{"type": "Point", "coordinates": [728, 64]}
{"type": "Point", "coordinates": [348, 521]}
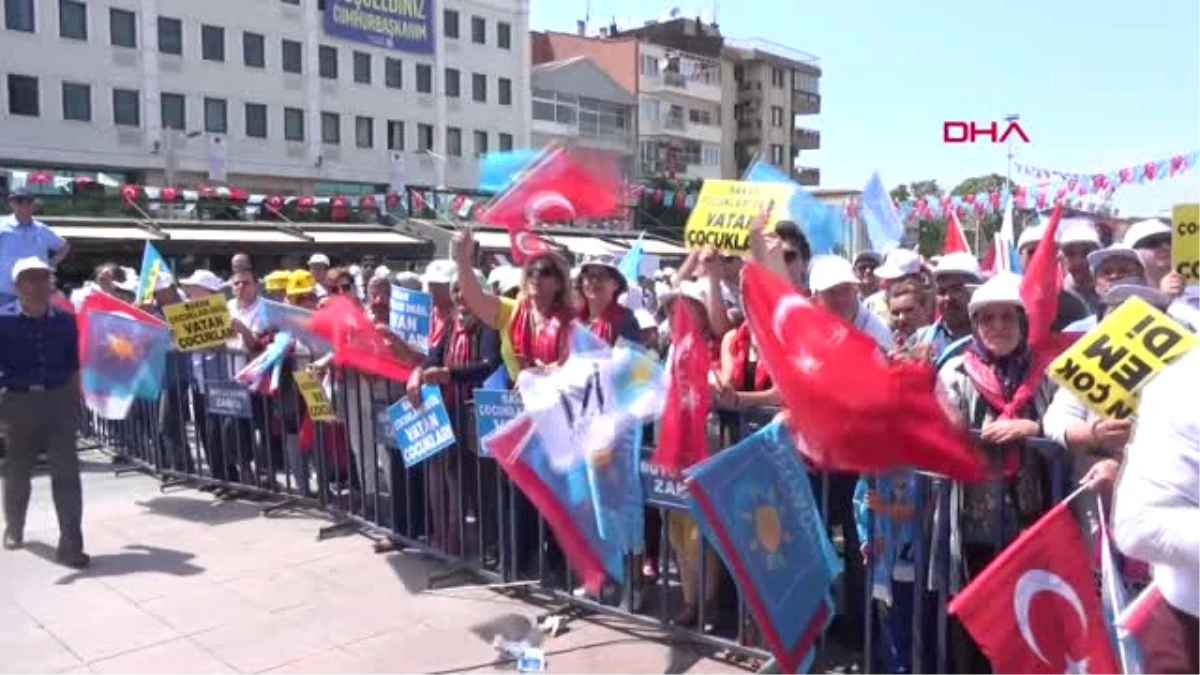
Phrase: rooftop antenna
{"type": "Point", "coordinates": [587, 17]}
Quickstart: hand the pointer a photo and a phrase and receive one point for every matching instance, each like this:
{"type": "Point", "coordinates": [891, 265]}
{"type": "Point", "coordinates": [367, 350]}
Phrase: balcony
{"type": "Point", "coordinates": [676, 80]}
{"type": "Point", "coordinates": [805, 139]}
{"type": "Point", "coordinates": [807, 175]}
{"type": "Point", "coordinates": [749, 130]}
{"type": "Point", "coordinates": [675, 123]}
{"type": "Point", "coordinates": [806, 103]}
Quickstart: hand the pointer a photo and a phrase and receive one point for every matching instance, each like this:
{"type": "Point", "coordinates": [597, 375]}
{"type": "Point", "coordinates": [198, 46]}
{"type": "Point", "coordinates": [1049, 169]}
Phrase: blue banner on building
{"type": "Point", "coordinates": [421, 433]}
{"type": "Point", "coordinates": [411, 316]}
{"type": "Point", "coordinates": [227, 399]}
{"type": "Point", "coordinates": [494, 407]}
{"type": "Point", "coordinates": [403, 25]}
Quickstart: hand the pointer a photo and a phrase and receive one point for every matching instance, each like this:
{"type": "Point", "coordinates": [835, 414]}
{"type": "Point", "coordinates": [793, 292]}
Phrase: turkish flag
{"type": "Point", "coordinates": [555, 188]}
{"type": "Point", "coordinates": [1035, 608]}
{"type": "Point", "coordinates": [683, 431]}
{"type": "Point", "coordinates": [356, 342]}
{"type": "Point", "coordinates": [1041, 284]}
{"type": "Point", "coordinates": [956, 240]}
{"type": "Point", "coordinates": [852, 408]}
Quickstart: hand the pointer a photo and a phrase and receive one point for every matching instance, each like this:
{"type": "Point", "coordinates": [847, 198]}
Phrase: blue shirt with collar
{"type": "Point", "coordinates": [32, 240]}
{"type": "Point", "coordinates": [38, 351]}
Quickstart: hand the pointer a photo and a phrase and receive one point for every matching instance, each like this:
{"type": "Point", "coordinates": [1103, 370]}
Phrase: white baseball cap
{"type": "Point", "coordinates": [382, 272]}
{"type": "Point", "coordinates": [827, 271]}
{"type": "Point", "coordinates": [958, 263]}
{"type": "Point", "coordinates": [1144, 229]}
{"type": "Point", "coordinates": [1078, 231]}
{"type": "Point", "coordinates": [1030, 235]}
{"type": "Point", "coordinates": [900, 262]}
{"type": "Point", "coordinates": [509, 278]}
{"type": "Point", "coordinates": [440, 271]}
{"type": "Point", "coordinates": [1097, 258]}
{"type": "Point", "coordinates": [409, 280]}
{"type": "Point", "coordinates": [205, 279]}
{"type": "Point", "coordinates": [30, 263]}
{"type": "Point", "coordinates": [1002, 289]}
{"type": "Point", "coordinates": [318, 259]}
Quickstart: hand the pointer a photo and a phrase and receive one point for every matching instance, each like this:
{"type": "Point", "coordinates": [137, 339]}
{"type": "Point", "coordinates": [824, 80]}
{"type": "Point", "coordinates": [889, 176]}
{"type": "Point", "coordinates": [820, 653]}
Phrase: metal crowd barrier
{"type": "Point", "coordinates": [210, 431]}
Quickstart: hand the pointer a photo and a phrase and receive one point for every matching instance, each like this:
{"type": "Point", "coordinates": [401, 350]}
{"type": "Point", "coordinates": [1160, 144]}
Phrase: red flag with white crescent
{"type": "Point", "coordinates": [683, 430]}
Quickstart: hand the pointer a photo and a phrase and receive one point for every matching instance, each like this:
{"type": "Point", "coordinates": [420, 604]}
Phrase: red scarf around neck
{"type": "Point", "coordinates": [533, 344]}
{"type": "Point", "coordinates": [458, 352]}
{"type": "Point", "coordinates": [987, 383]}
{"type": "Point", "coordinates": [604, 325]}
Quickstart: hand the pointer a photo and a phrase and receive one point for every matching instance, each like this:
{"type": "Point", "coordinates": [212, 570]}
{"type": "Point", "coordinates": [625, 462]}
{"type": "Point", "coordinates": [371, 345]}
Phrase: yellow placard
{"type": "Point", "coordinates": [319, 407]}
{"type": "Point", "coordinates": [724, 209]}
{"type": "Point", "coordinates": [1107, 367]}
{"type": "Point", "coordinates": [1185, 241]}
{"type": "Point", "coordinates": [199, 324]}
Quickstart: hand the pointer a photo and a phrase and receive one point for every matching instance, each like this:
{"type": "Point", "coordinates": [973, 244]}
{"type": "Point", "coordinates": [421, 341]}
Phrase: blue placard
{"type": "Point", "coordinates": [410, 318]}
{"type": "Point", "coordinates": [403, 25]}
{"type": "Point", "coordinates": [421, 433]}
{"type": "Point", "coordinates": [660, 488]}
{"type": "Point", "coordinates": [494, 407]}
{"type": "Point", "coordinates": [227, 399]}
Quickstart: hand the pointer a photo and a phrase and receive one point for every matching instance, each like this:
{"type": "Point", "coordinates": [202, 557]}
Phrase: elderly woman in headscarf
{"type": "Point", "coordinates": [600, 283]}
{"type": "Point", "coordinates": [468, 352]}
{"type": "Point", "coordinates": [996, 388]}
{"type": "Point", "coordinates": [534, 333]}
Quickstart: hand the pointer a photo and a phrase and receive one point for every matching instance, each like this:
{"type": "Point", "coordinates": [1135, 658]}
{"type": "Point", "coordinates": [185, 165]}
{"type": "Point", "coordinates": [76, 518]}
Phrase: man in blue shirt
{"type": "Point", "coordinates": [23, 237]}
{"type": "Point", "coordinates": [39, 400]}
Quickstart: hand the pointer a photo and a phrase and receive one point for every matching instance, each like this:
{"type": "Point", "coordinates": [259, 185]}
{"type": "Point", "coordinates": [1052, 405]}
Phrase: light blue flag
{"type": "Point", "coordinates": [822, 224]}
{"type": "Point", "coordinates": [153, 264]}
{"type": "Point", "coordinates": [498, 170]}
{"type": "Point", "coordinates": [883, 223]}
{"type": "Point", "coordinates": [631, 264]}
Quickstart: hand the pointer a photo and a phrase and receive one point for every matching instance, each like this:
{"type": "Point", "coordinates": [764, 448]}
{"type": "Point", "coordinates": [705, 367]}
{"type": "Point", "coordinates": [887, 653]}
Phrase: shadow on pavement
{"type": "Point", "coordinates": [135, 559]}
{"type": "Point", "coordinates": [201, 510]}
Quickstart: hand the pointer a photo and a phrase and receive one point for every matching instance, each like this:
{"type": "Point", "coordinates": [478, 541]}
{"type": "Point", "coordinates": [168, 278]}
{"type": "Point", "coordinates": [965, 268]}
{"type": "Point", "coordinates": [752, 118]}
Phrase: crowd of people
{"type": "Point", "coordinates": [970, 323]}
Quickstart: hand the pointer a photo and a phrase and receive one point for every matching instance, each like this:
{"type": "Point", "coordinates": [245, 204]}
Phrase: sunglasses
{"type": "Point", "coordinates": [543, 271]}
{"type": "Point", "coordinates": [1155, 242]}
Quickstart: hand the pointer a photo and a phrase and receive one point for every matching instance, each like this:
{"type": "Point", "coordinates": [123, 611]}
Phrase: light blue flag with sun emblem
{"type": "Point", "coordinates": [754, 504]}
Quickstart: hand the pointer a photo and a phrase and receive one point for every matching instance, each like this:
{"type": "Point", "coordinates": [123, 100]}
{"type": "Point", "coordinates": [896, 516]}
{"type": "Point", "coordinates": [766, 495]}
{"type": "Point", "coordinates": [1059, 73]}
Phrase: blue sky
{"type": "Point", "coordinates": [1099, 85]}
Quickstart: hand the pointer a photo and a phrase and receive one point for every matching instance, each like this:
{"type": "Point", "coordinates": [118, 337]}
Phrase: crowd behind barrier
{"type": "Point", "coordinates": [211, 431]}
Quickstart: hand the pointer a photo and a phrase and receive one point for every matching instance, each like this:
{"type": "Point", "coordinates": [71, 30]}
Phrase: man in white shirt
{"type": "Point", "coordinates": [1157, 513]}
{"type": "Point", "coordinates": [835, 287]}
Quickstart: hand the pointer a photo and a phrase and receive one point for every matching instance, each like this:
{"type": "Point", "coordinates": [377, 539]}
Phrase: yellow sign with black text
{"type": "Point", "coordinates": [724, 209]}
{"type": "Point", "coordinates": [1185, 241]}
{"type": "Point", "coordinates": [319, 407]}
{"type": "Point", "coordinates": [199, 324]}
{"type": "Point", "coordinates": [1108, 366]}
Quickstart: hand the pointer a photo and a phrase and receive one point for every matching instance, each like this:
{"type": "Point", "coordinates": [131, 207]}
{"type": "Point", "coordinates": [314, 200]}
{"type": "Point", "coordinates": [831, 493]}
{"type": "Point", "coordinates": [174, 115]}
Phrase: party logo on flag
{"type": "Point", "coordinates": [123, 359]}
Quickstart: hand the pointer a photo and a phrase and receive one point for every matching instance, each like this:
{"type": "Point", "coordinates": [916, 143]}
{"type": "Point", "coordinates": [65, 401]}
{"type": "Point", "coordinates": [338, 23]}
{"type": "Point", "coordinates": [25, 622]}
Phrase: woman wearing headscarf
{"type": "Point", "coordinates": [534, 331]}
{"type": "Point", "coordinates": [466, 355]}
{"type": "Point", "coordinates": [600, 284]}
{"type": "Point", "coordinates": [997, 389]}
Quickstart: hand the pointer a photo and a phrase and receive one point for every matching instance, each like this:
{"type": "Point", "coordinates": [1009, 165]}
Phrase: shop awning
{"type": "Point", "coordinates": [360, 237]}
{"type": "Point", "coordinates": [232, 236]}
{"type": "Point", "coordinates": [588, 246]}
{"type": "Point", "coordinates": [492, 241]}
{"type": "Point", "coordinates": [658, 247]}
{"type": "Point", "coordinates": [80, 232]}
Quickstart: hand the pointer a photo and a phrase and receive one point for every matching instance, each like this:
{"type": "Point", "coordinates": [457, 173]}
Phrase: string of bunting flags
{"type": "Point", "coordinates": [1160, 169]}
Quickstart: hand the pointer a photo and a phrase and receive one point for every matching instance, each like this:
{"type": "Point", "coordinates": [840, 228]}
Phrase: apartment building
{"type": "Point", "coordinates": [776, 89]}
{"type": "Point", "coordinates": [578, 104]}
{"type": "Point", "coordinates": [303, 96]}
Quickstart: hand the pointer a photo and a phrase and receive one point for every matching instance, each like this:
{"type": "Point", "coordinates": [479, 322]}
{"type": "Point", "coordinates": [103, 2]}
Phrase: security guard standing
{"type": "Point", "coordinates": [39, 400]}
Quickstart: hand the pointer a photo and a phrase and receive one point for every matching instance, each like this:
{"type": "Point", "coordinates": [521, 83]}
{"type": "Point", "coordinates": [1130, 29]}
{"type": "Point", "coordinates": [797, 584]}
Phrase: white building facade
{"type": "Point", "coordinates": [680, 113]}
{"type": "Point", "coordinates": [264, 92]}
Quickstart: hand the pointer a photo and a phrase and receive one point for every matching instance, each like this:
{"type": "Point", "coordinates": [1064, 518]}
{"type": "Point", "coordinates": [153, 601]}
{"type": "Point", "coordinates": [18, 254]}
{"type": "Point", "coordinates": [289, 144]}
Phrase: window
{"type": "Point", "coordinates": [424, 78]}
{"type": "Point", "coordinates": [453, 142]}
{"type": "Point", "coordinates": [506, 142]}
{"type": "Point", "coordinates": [291, 2]}
{"type": "Point", "coordinates": [649, 65]}
{"type": "Point", "coordinates": [776, 116]}
{"type": "Point", "coordinates": [216, 115]}
{"type": "Point", "coordinates": [777, 77]}
{"type": "Point", "coordinates": [72, 19]}
{"type": "Point", "coordinates": [450, 21]}
{"type": "Point", "coordinates": [212, 43]}
{"type": "Point", "coordinates": [170, 36]}
{"type": "Point", "coordinates": [122, 28]}
{"type": "Point", "coordinates": [393, 73]}
{"type": "Point", "coordinates": [364, 132]}
{"type": "Point", "coordinates": [77, 102]}
{"type": "Point", "coordinates": [327, 62]}
{"type": "Point", "coordinates": [254, 51]}
{"type": "Point", "coordinates": [293, 124]}
{"type": "Point", "coordinates": [424, 137]}
{"type": "Point", "coordinates": [127, 108]}
{"type": "Point", "coordinates": [505, 91]}
{"type": "Point", "coordinates": [711, 155]}
{"type": "Point", "coordinates": [452, 83]}
{"type": "Point", "coordinates": [479, 87]}
{"type": "Point", "coordinates": [704, 117]}
{"type": "Point", "coordinates": [650, 109]}
{"type": "Point", "coordinates": [395, 134]}
{"type": "Point", "coordinates": [503, 35]}
{"type": "Point", "coordinates": [174, 113]}
{"type": "Point", "coordinates": [481, 139]}
{"type": "Point", "coordinates": [290, 56]}
{"type": "Point", "coordinates": [478, 30]}
{"type": "Point", "coordinates": [19, 15]}
{"type": "Point", "coordinates": [256, 120]}
{"type": "Point", "coordinates": [362, 68]}
{"type": "Point", "coordinates": [331, 128]}
{"type": "Point", "coordinates": [23, 98]}
{"type": "Point", "coordinates": [777, 155]}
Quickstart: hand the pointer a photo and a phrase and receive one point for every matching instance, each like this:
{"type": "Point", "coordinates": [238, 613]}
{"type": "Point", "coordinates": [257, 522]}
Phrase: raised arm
{"type": "Point", "coordinates": [481, 303]}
